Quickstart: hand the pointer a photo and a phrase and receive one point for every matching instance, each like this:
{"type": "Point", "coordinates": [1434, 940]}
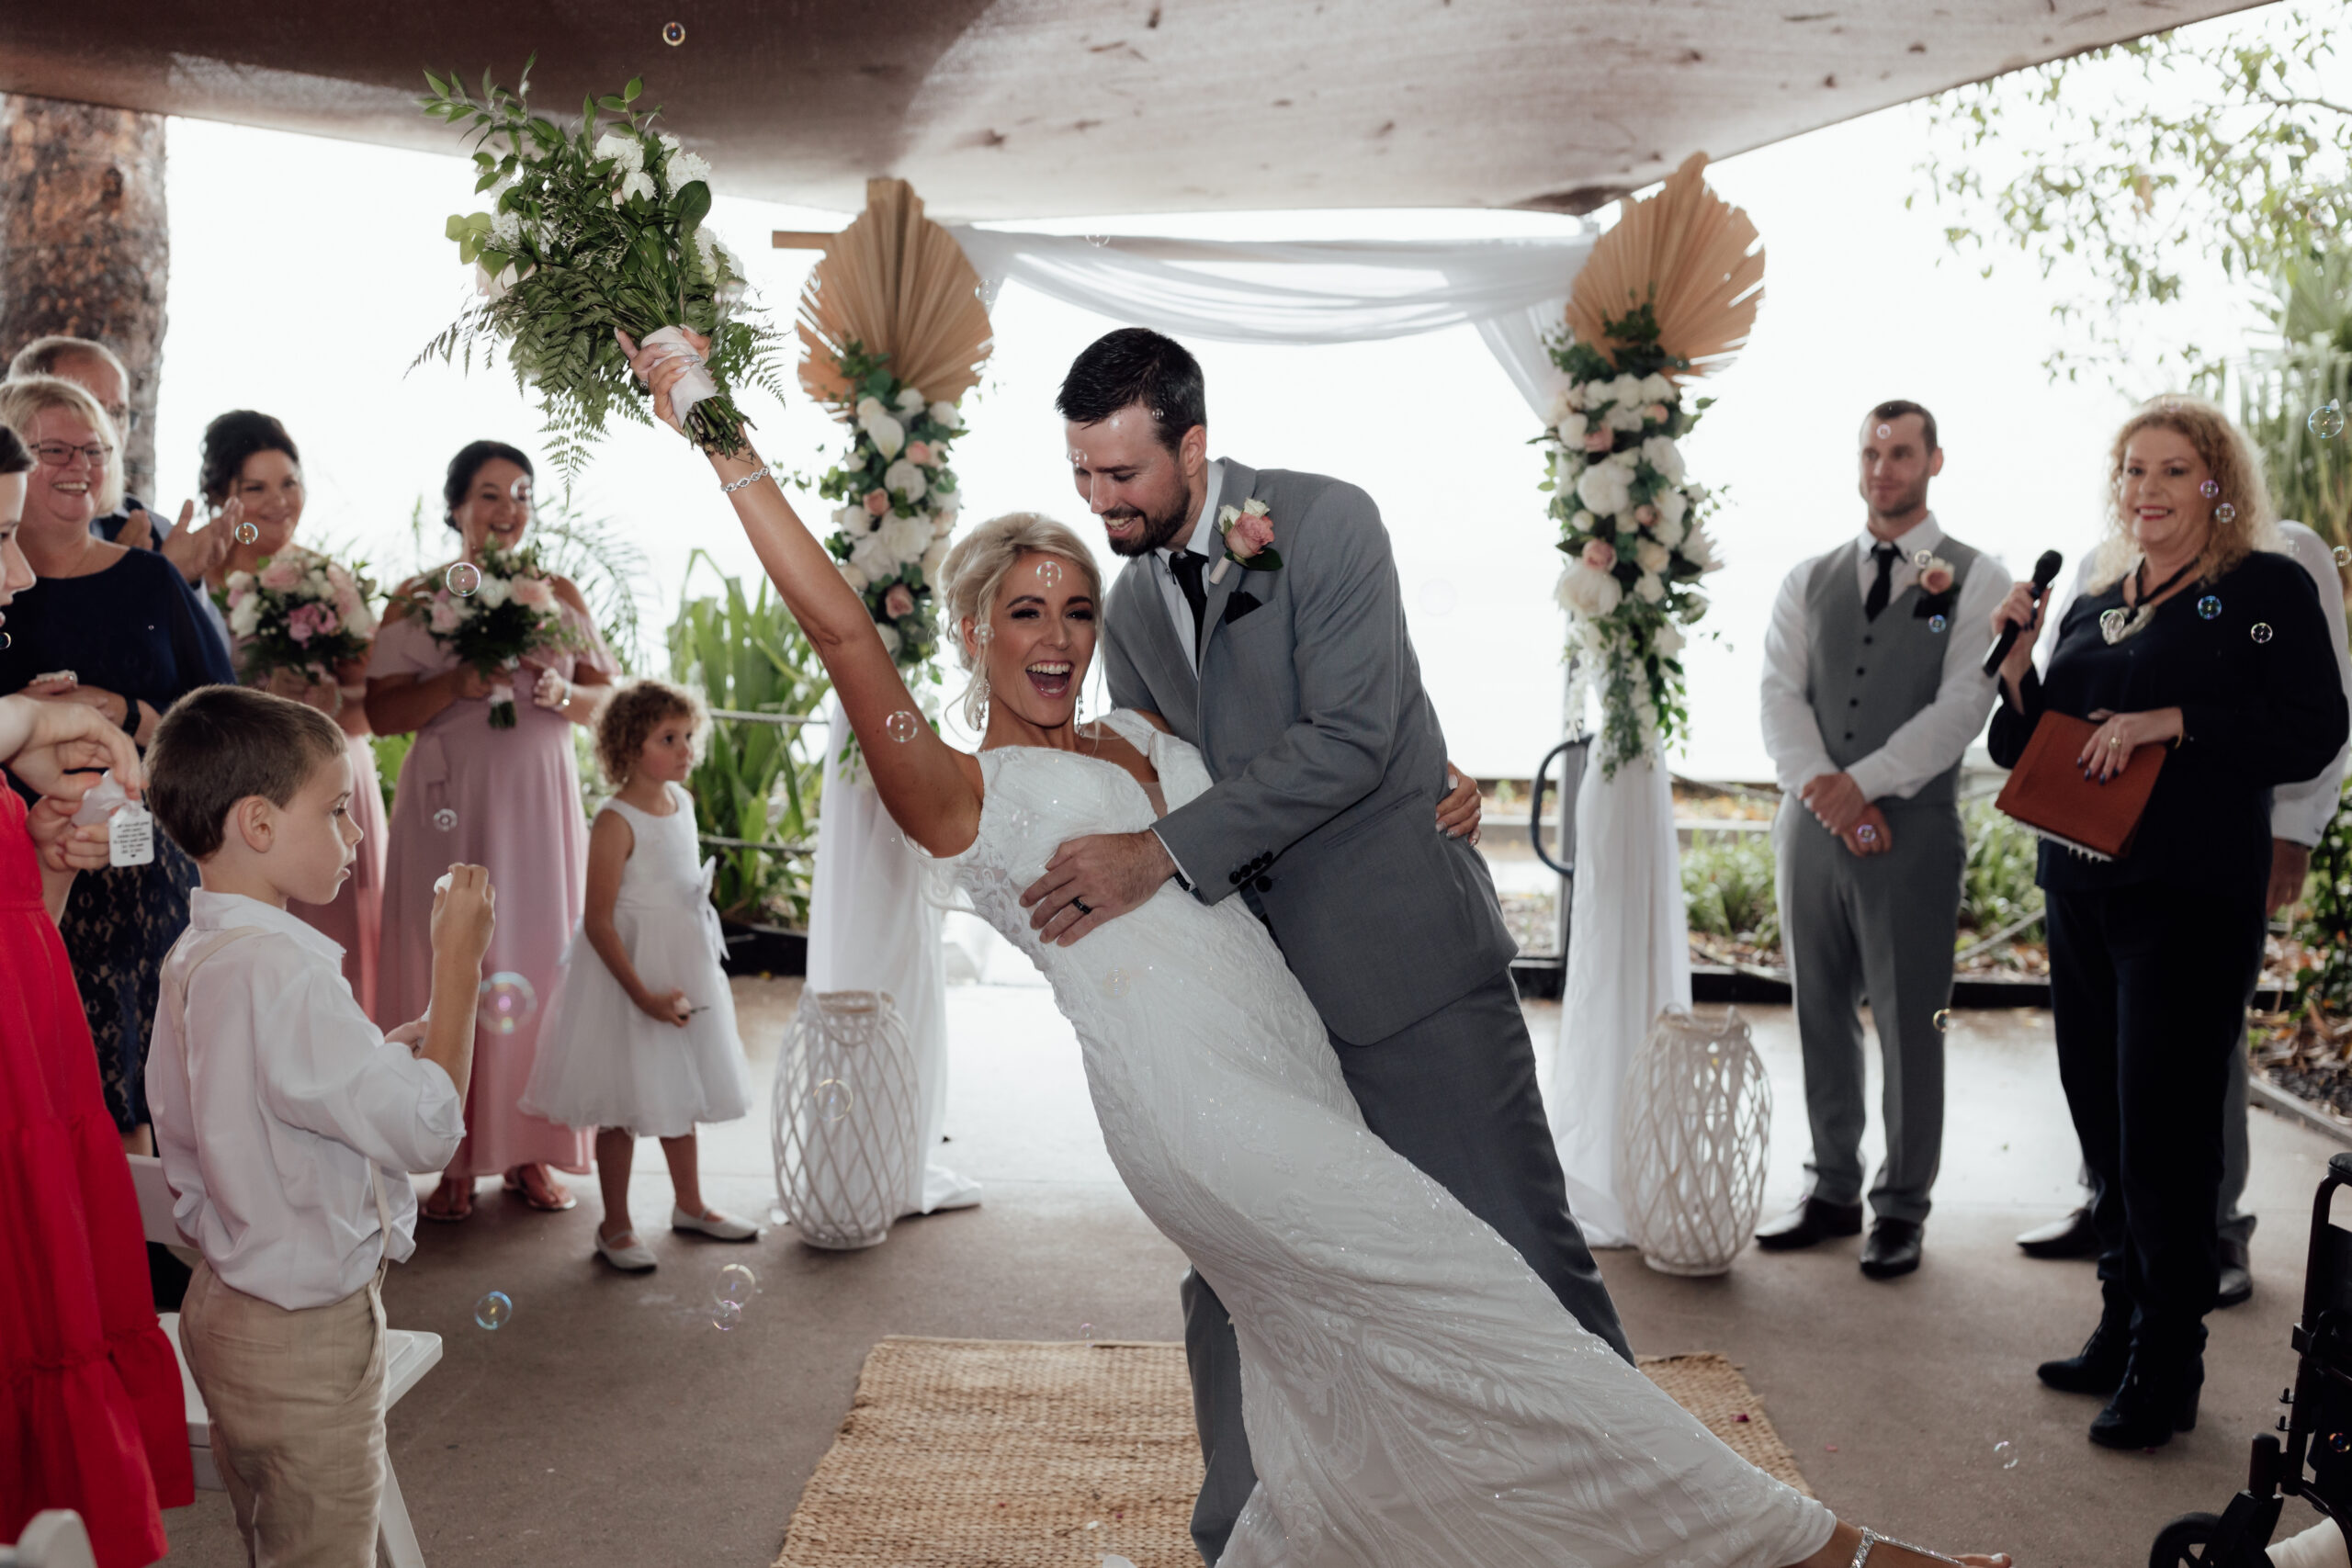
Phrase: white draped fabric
{"type": "Point", "coordinates": [870, 928]}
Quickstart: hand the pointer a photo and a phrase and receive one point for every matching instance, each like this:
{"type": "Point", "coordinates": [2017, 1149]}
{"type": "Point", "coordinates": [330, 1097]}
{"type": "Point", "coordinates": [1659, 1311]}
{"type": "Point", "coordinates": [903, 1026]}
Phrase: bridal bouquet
{"type": "Point", "coordinates": [591, 228]}
{"type": "Point", "coordinates": [509, 615]}
{"type": "Point", "coordinates": [297, 611]}
{"type": "Point", "coordinates": [899, 503]}
{"type": "Point", "coordinates": [1631, 527]}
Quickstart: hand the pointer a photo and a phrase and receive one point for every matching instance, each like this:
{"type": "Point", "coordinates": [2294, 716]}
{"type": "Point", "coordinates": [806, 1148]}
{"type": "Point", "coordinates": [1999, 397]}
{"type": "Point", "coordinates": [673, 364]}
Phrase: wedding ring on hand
{"type": "Point", "coordinates": [2113, 741]}
{"type": "Point", "coordinates": [1082, 906]}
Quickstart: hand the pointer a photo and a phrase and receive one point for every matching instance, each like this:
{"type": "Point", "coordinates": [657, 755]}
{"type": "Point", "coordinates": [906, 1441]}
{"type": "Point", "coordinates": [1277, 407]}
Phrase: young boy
{"type": "Point", "coordinates": [287, 1124]}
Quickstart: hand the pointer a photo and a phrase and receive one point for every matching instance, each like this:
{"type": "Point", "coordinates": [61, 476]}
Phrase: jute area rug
{"type": "Point", "coordinates": [983, 1453]}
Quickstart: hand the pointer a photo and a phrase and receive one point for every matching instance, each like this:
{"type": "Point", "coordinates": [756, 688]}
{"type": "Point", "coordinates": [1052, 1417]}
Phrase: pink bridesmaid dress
{"type": "Point", "coordinates": [509, 800]}
{"type": "Point", "coordinates": [355, 919]}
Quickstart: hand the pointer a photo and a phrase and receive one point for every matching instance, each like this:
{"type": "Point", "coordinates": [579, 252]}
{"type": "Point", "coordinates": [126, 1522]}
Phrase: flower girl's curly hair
{"type": "Point", "coordinates": [630, 715]}
{"type": "Point", "coordinates": [975, 571]}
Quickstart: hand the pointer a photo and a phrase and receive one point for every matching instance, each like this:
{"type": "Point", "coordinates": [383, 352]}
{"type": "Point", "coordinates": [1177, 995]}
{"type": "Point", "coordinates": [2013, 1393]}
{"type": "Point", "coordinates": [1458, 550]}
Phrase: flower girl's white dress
{"type": "Point", "coordinates": [1415, 1395]}
{"type": "Point", "coordinates": [602, 1062]}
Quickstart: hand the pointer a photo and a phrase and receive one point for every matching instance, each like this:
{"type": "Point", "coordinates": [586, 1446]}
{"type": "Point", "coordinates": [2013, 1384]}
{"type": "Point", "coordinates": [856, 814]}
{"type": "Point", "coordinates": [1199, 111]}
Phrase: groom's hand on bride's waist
{"type": "Point", "coordinates": [1094, 879]}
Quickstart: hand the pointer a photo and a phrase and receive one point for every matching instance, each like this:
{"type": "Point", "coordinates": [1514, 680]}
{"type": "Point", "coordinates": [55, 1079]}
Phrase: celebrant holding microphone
{"type": "Point", "coordinates": [2187, 637]}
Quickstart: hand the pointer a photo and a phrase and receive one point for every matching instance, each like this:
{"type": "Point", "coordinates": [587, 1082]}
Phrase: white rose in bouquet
{"type": "Point", "coordinates": [910, 401]}
{"type": "Point", "coordinates": [1604, 488]}
{"type": "Point", "coordinates": [852, 520]}
{"type": "Point", "coordinates": [906, 537]}
{"type": "Point", "coordinates": [1671, 506]}
{"type": "Point", "coordinates": [1589, 592]}
{"type": "Point", "coordinates": [1628, 460]}
{"type": "Point", "coordinates": [493, 591]}
{"type": "Point", "coordinates": [890, 638]}
{"type": "Point", "coordinates": [933, 560]}
{"type": "Point", "coordinates": [1650, 588]}
{"type": "Point", "coordinates": [858, 582]}
{"type": "Point", "coordinates": [1664, 456]}
{"type": "Point", "coordinates": [873, 556]}
{"type": "Point", "coordinates": [1669, 530]}
{"type": "Point", "coordinates": [1668, 640]}
{"type": "Point", "coordinates": [1624, 416]}
{"type": "Point", "coordinates": [1656, 388]}
{"type": "Point", "coordinates": [638, 183]}
{"type": "Point", "coordinates": [684, 168]}
{"type": "Point", "coordinates": [903, 479]}
{"type": "Point", "coordinates": [945, 415]}
{"type": "Point", "coordinates": [1585, 523]}
{"type": "Point", "coordinates": [1571, 428]}
{"type": "Point", "coordinates": [1625, 389]}
{"type": "Point", "coordinates": [623, 148]}
{"type": "Point", "coordinates": [245, 615]}
{"type": "Point", "coordinates": [889, 437]}
{"type": "Point", "coordinates": [1653, 557]}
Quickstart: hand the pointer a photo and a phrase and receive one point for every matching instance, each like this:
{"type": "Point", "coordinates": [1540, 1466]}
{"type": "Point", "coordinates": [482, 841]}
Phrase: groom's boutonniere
{"type": "Point", "coordinates": [1248, 539]}
{"type": "Point", "coordinates": [1936, 592]}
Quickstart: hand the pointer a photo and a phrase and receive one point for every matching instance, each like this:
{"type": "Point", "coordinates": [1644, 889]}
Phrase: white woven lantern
{"type": "Point", "coordinates": [847, 1151]}
{"type": "Point", "coordinates": [1697, 1130]}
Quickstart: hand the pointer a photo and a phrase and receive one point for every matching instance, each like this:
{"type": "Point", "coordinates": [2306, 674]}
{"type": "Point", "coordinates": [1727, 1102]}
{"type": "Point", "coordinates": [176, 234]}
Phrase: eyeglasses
{"type": "Point", "coordinates": [57, 453]}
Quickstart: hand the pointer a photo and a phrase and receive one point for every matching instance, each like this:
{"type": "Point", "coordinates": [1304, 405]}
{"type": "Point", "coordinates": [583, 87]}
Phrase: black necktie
{"type": "Point", "coordinates": [1187, 566]}
{"type": "Point", "coordinates": [1875, 600]}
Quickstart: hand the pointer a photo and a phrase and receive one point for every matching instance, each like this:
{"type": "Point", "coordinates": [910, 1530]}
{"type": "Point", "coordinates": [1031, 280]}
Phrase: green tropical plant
{"type": "Point", "coordinates": [757, 784]}
{"type": "Point", "coordinates": [1996, 887]}
{"type": "Point", "coordinates": [1727, 882]}
{"type": "Point", "coordinates": [604, 561]}
{"type": "Point", "coordinates": [2282, 387]}
{"type": "Point", "coordinates": [2325, 929]}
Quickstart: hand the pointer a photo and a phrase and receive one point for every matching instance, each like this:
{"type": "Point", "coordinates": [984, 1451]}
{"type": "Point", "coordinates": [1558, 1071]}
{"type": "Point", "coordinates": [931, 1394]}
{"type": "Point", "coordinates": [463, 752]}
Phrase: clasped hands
{"type": "Point", "coordinates": [1840, 805]}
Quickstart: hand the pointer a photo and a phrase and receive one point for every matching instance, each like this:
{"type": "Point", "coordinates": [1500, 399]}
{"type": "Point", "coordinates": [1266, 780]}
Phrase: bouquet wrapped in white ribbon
{"type": "Point", "coordinates": [596, 228]}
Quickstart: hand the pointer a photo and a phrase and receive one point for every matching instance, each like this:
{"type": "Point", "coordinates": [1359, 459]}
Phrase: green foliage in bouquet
{"type": "Point", "coordinates": [756, 783]}
{"type": "Point", "coordinates": [595, 227]}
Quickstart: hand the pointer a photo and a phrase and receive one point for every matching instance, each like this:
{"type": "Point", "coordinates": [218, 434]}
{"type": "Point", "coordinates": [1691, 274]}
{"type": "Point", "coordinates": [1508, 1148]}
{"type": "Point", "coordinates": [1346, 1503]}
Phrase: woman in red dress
{"type": "Point", "coordinates": [91, 1417]}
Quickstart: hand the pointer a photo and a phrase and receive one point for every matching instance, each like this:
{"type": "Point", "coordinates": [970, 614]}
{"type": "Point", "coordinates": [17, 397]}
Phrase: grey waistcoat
{"type": "Point", "coordinates": [1866, 678]}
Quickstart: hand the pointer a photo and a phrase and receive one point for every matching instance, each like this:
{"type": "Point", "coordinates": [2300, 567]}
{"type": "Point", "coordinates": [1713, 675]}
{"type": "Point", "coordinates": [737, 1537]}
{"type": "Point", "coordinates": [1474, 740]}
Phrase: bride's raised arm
{"type": "Point", "coordinates": [931, 790]}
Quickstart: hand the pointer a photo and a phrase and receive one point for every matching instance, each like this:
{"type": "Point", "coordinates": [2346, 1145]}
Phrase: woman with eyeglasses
{"type": "Point", "coordinates": [121, 631]}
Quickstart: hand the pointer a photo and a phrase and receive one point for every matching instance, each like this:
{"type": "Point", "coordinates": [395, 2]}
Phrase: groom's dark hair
{"type": "Point", "coordinates": [1136, 365]}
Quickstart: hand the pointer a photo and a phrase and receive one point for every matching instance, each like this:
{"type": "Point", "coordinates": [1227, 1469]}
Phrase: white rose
{"type": "Point", "coordinates": [1589, 592]}
{"type": "Point", "coordinates": [1671, 506]}
{"type": "Point", "coordinates": [669, 142]}
{"type": "Point", "coordinates": [1670, 639]}
{"type": "Point", "coordinates": [1628, 460]}
{"type": "Point", "coordinates": [1653, 557]}
{"type": "Point", "coordinates": [889, 437]}
{"type": "Point", "coordinates": [910, 401]}
{"type": "Point", "coordinates": [623, 148]}
{"type": "Point", "coordinates": [506, 229]}
{"type": "Point", "coordinates": [493, 591]}
{"type": "Point", "coordinates": [1573, 396]}
{"type": "Point", "coordinates": [1669, 530]}
{"type": "Point", "coordinates": [890, 638]}
{"type": "Point", "coordinates": [1656, 388]}
{"type": "Point", "coordinates": [873, 556]}
{"type": "Point", "coordinates": [907, 538]}
{"type": "Point", "coordinates": [858, 582]}
{"type": "Point", "coordinates": [1664, 456]}
{"type": "Point", "coordinates": [1650, 588]}
{"type": "Point", "coordinates": [1571, 428]}
{"type": "Point", "coordinates": [1625, 389]}
{"type": "Point", "coordinates": [245, 616]}
{"type": "Point", "coordinates": [933, 560]}
{"type": "Point", "coordinates": [941, 524]}
{"type": "Point", "coordinates": [904, 479]}
{"type": "Point", "coordinates": [638, 184]}
{"type": "Point", "coordinates": [685, 168]}
{"type": "Point", "coordinates": [945, 415]}
{"type": "Point", "coordinates": [850, 520]}
{"type": "Point", "coordinates": [1603, 489]}
{"type": "Point", "coordinates": [1624, 416]}
{"type": "Point", "coordinates": [1585, 523]}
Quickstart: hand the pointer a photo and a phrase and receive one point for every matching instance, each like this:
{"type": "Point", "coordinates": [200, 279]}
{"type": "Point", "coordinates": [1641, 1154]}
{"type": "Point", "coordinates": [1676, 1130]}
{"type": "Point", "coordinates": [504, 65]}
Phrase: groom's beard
{"type": "Point", "coordinates": [1159, 533]}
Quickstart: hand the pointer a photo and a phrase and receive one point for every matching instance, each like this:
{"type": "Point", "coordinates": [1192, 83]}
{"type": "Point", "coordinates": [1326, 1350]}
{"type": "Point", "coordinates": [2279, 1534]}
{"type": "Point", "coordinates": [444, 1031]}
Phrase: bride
{"type": "Point", "coordinates": [1413, 1393]}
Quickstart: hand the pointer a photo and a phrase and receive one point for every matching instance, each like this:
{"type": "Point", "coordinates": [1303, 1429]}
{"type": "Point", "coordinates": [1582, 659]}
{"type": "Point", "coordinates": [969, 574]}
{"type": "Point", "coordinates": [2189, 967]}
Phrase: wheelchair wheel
{"type": "Point", "coordinates": [2185, 1542]}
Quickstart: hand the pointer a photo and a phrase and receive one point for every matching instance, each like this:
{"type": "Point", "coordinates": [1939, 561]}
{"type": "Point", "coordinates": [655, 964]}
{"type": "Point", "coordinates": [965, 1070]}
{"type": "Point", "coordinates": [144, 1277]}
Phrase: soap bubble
{"type": "Point", "coordinates": [2210, 489]}
{"type": "Point", "coordinates": [2326, 421]}
{"type": "Point", "coordinates": [2259, 631]}
{"type": "Point", "coordinates": [833, 1100]}
{"type": "Point", "coordinates": [1885, 431]}
{"type": "Point", "coordinates": [6, 642]}
{"type": "Point", "coordinates": [519, 493]}
{"type": "Point", "coordinates": [901, 727]}
{"type": "Point", "coordinates": [2113, 622]}
{"type": "Point", "coordinates": [2208, 606]}
{"type": "Point", "coordinates": [248, 533]}
{"type": "Point", "coordinates": [463, 579]}
{"type": "Point", "coordinates": [2340, 1442]}
{"type": "Point", "coordinates": [1936, 622]}
{"type": "Point", "coordinates": [737, 1283]}
{"type": "Point", "coordinates": [1867, 833]}
{"type": "Point", "coordinates": [492, 1311]}
{"type": "Point", "coordinates": [2005, 1452]}
{"type": "Point", "coordinates": [776, 1216]}
{"type": "Point", "coordinates": [1943, 1020]}
{"type": "Point", "coordinates": [1117, 983]}
{"type": "Point", "coordinates": [1049, 573]}
{"type": "Point", "coordinates": [725, 1315]}
{"type": "Point", "coordinates": [673, 33]}
{"type": "Point", "coordinates": [1098, 241]}
{"type": "Point", "coordinates": [1086, 1332]}
{"type": "Point", "coordinates": [2343, 556]}
{"type": "Point", "coordinates": [506, 1003]}
{"type": "Point", "coordinates": [2225, 513]}
{"type": "Point", "coordinates": [445, 818]}
{"type": "Point", "coordinates": [1921, 558]}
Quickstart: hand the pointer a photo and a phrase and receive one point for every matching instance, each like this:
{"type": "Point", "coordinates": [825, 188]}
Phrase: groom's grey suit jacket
{"type": "Point", "coordinates": [1327, 761]}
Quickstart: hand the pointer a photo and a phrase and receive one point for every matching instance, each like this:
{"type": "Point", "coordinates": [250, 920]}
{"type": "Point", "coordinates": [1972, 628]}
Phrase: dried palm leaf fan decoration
{"type": "Point", "coordinates": [1689, 256]}
{"type": "Point", "coordinates": [894, 283]}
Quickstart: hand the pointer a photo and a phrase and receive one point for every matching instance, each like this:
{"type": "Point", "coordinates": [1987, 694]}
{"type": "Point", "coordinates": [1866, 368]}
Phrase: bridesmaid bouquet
{"type": "Point", "coordinates": [591, 228]}
{"type": "Point", "coordinates": [493, 615]}
{"type": "Point", "coordinates": [297, 611]}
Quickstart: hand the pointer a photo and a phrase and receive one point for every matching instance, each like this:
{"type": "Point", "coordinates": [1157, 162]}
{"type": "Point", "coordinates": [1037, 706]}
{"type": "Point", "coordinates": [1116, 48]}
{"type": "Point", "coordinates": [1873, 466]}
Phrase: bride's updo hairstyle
{"type": "Point", "coordinates": [975, 573]}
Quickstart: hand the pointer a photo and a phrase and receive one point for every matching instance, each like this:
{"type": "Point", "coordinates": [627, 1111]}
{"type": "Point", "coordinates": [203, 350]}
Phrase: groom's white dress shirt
{"type": "Point", "coordinates": [1931, 739]}
{"type": "Point", "coordinates": [1202, 543]}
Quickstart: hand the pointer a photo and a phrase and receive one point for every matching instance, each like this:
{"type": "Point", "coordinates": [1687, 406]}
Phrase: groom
{"type": "Point", "coordinates": [1299, 686]}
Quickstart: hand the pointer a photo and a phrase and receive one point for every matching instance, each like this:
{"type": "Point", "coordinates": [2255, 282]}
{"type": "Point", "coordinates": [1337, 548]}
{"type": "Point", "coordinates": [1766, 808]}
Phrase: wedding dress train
{"type": "Point", "coordinates": [1414, 1394]}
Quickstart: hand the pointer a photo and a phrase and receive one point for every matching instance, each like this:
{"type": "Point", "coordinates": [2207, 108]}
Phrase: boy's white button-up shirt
{"type": "Point", "coordinates": [267, 1140]}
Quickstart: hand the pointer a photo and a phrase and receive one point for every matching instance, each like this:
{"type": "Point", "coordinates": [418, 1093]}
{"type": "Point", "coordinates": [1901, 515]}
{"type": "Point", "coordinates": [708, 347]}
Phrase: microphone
{"type": "Point", "coordinates": [2045, 573]}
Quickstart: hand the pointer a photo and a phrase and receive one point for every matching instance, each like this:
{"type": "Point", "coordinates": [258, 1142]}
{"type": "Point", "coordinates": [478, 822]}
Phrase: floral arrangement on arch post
{"type": "Point", "coordinates": [1632, 525]}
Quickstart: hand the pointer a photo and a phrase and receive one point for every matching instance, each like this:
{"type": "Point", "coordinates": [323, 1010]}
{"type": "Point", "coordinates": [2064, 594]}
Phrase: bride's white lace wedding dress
{"type": "Point", "coordinates": [1414, 1394]}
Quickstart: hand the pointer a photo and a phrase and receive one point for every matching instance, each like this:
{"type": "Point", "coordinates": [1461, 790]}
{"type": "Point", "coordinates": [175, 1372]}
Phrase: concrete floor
{"type": "Point", "coordinates": [609, 1423]}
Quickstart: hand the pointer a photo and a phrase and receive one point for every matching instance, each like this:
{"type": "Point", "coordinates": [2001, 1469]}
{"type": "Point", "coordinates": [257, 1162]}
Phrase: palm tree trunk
{"type": "Point", "coordinates": [85, 241]}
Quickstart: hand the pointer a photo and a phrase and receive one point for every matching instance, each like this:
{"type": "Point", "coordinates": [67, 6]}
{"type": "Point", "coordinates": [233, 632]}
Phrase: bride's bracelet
{"type": "Point", "coordinates": [732, 486]}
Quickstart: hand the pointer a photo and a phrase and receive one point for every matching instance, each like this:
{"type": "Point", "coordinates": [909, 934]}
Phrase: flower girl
{"type": "Point", "coordinates": [641, 1039]}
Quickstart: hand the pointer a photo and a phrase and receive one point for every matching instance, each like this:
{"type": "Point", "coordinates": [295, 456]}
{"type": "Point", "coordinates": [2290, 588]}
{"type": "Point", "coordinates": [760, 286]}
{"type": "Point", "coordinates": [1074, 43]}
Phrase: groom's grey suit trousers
{"type": "Point", "coordinates": [1327, 761]}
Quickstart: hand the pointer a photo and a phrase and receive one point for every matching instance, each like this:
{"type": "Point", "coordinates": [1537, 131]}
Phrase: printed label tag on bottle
{"type": "Point", "coordinates": [131, 835]}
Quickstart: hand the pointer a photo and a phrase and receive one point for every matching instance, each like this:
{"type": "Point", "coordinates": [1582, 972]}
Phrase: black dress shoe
{"type": "Point", "coordinates": [1810, 1222]}
{"type": "Point", "coordinates": [2098, 1367]}
{"type": "Point", "coordinates": [2073, 1236]}
{"type": "Point", "coordinates": [1893, 1249]}
{"type": "Point", "coordinates": [2157, 1399]}
{"type": "Point", "coordinates": [2237, 1278]}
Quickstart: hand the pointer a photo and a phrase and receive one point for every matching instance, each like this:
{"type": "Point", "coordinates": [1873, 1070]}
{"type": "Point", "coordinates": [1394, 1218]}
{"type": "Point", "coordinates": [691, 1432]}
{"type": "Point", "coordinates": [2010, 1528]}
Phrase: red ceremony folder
{"type": "Point", "coordinates": [2047, 791]}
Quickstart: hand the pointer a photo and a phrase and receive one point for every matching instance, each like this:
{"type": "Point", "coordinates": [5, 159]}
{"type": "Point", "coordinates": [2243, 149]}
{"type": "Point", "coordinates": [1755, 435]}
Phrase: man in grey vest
{"type": "Point", "coordinates": [1292, 672]}
{"type": "Point", "coordinates": [1873, 692]}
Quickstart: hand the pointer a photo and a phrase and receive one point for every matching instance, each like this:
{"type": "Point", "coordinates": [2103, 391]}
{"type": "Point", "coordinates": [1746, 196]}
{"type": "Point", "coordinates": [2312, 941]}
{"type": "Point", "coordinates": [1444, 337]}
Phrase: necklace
{"type": "Point", "coordinates": [2122, 623]}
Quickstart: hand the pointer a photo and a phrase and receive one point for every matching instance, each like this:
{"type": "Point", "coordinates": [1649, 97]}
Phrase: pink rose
{"type": "Point", "coordinates": [1936, 578]}
{"type": "Point", "coordinates": [534, 592]}
{"type": "Point", "coordinates": [897, 602]}
{"type": "Point", "coordinates": [1655, 413]}
{"type": "Point", "coordinates": [878, 502]}
{"type": "Point", "coordinates": [1599, 555]}
{"type": "Point", "coordinates": [281, 574]}
{"type": "Point", "coordinates": [1599, 440]}
{"type": "Point", "coordinates": [1251, 531]}
{"type": "Point", "coordinates": [918, 454]}
{"type": "Point", "coordinates": [1645, 514]}
{"type": "Point", "coordinates": [445, 618]}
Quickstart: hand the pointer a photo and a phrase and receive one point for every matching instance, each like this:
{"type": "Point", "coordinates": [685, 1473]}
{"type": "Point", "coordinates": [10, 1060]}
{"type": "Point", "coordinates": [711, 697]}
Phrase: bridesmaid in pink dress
{"type": "Point", "coordinates": [250, 463]}
{"type": "Point", "coordinates": [508, 799]}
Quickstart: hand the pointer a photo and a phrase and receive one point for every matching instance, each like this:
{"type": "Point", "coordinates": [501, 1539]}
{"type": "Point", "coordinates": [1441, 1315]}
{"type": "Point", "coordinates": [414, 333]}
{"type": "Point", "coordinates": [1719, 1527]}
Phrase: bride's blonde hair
{"type": "Point", "coordinates": [974, 574]}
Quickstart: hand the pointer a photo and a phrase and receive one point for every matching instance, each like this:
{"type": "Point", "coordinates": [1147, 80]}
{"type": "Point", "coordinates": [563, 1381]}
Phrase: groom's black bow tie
{"type": "Point", "coordinates": [1188, 567]}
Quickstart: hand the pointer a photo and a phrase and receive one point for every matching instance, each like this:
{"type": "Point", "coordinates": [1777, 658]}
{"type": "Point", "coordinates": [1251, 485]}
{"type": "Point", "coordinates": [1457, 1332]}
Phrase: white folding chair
{"type": "Point", "coordinates": [53, 1538]}
{"type": "Point", "coordinates": [408, 1356]}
